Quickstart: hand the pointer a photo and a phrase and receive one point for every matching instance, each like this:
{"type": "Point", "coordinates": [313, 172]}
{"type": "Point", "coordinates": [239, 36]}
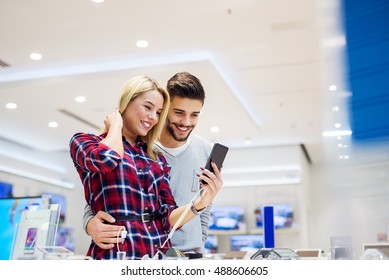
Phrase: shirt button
{"type": "Point", "coordinates": [140, 169]}
{"type": "Point", "coordinates": [156, 245]}
{"type": "Point", "coordinates": [149, 227]}
{"type": "Point", "coordinates": [146, 208]}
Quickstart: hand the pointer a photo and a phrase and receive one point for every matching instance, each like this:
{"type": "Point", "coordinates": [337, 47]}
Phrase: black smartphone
{"type": "Point", "coordinates": [217, 155]}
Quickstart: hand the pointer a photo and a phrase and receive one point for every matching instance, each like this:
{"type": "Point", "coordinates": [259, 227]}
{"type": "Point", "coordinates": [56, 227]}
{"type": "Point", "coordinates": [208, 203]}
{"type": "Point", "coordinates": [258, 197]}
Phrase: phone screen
{"type": "Point", "coordinates": [217, 155]}
{"type": "Point", "coordinates": [30, 240]}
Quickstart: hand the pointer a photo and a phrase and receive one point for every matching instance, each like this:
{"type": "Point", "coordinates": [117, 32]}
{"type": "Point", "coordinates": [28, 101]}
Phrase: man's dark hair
{"type": "Point", "coordinates": [185, 85]}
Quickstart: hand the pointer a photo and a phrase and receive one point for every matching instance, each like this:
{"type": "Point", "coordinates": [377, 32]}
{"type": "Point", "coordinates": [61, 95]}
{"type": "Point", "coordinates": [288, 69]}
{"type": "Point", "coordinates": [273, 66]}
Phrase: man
{"type": "Point", "coordinates": [186, 153]}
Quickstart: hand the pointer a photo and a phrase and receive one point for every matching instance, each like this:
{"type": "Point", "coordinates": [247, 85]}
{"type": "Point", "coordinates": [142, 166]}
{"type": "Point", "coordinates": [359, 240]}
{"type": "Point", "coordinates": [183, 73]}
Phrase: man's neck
{"type": "Point", "coordinates": [168, 141]}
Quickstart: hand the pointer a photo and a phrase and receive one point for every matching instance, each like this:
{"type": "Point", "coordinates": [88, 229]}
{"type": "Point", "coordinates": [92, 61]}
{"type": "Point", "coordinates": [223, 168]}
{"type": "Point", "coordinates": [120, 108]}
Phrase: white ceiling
{"type": "Point", "coordinates": [262, 64]}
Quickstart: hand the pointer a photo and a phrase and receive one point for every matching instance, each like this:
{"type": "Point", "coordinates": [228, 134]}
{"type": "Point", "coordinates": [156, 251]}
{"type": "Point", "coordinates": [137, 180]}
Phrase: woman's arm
{"type": "Point", "coordinates": [213, 185]}
{"type": "Point", "coordinates": [114, 124]}
{"type": "Point", "coordinates": [92, 153]}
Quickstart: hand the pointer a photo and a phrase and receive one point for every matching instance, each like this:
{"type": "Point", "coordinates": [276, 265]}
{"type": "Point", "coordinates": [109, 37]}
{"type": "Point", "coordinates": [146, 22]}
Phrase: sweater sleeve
{"type": "Point", "coordinates": [88, 214]}
{"type": "Point", "coordinates": [204, 218]}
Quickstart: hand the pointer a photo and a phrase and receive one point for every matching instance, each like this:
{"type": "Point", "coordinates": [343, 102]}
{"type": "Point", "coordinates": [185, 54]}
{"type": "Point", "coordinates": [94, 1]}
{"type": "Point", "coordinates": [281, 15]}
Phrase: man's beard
{"type": "Point", "coordinates": [170, 129]}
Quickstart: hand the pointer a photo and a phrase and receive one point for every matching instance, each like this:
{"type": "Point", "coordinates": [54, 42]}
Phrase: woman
{"type": "Point", "coordinates": [123, 175]}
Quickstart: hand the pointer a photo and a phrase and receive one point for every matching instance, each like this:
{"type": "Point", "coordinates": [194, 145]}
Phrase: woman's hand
{"type": "Point", "coordinates": [213, 184]}
{"type": "Point", "coordinates": [114, 124]}
{"type": "Point", "coordinates": [113, 119]}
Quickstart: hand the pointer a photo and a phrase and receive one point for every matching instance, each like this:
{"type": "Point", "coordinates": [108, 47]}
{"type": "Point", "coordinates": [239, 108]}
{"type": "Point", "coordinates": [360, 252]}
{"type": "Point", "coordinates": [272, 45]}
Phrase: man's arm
{"type": "Point", "coordinates": [88, 214]}
{"type": "Point", "coordinates": [204, 218]}
{"type": "Point", "coordinates": [103, 234]}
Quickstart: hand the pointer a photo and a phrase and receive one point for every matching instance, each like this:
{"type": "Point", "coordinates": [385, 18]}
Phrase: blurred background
{"type": "Point", "coordinates": [297, 89]}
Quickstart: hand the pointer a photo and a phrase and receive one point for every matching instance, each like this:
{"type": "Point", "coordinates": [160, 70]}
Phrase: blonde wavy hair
{"type": "Point", "coordinates": [137, 86]}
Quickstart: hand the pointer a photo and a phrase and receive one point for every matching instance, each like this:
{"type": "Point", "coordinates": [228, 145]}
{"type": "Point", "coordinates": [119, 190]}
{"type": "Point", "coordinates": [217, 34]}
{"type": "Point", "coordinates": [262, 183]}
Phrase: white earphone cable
{"type": "Point", "coordinates": [177, 224]}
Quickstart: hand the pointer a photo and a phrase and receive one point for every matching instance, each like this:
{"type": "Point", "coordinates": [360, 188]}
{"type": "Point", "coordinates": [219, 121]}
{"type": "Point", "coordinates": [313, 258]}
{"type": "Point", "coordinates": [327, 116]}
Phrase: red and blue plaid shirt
{"type": "Point", "coordinates": [130, 185]}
